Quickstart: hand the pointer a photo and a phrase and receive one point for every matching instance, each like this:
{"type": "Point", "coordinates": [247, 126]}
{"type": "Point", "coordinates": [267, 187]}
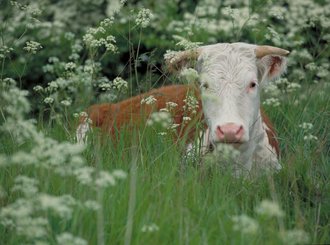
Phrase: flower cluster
{"type": "Point", "coordinates": [150, 228]}
{"type": "Point", "coordinates": [150, 100]}
{"type": "Point", "coordinates": [307, 128]}
{"type": "Point", "coordinates": [32, 47]}
{"type": "Point", "coordinates": [245, 224]}
{"type": "Point", "coordinates": [164, 119]}
{"type": "Point", "coordinates": [98, 37]}
{"type": "Point", "coordinates": [191, 104]}
{"type": "Point", "coordinates": [190, 75]}
{"type": "Point", "coordinates": [144, 17]}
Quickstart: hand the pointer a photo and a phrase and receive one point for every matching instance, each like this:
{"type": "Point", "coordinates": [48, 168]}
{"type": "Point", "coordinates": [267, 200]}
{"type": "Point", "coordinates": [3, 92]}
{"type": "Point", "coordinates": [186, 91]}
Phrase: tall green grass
{"type": "Point", "coordinates": [192, 202]}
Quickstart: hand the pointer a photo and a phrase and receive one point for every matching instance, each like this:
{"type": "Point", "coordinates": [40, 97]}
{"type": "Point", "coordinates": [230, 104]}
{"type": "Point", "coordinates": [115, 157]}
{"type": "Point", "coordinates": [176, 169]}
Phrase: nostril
{"type": "Point", "coordinates": [240, 130]}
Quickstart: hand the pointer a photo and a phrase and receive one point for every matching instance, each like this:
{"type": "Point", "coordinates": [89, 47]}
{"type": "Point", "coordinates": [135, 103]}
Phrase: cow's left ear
{"type": "Point", "coordinates": [271, 62]}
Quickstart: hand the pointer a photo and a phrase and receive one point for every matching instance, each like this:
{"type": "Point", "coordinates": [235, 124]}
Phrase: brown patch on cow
{"type": "Point", "coordinates": [131, 114]}
{"type": "Point", "coordinates": [271, 133]}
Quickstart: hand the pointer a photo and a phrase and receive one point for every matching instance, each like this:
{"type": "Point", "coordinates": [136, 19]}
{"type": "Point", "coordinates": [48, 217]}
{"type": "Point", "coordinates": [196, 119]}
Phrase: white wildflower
{"type": "Point", "coordinates": [32, 47]}
{"type": "Point", "coordinates": [150, 100]}
{"type": "Point", "coordinates": [162, 133]}
{"type": "Point", "coordinates": [104, 179]}
{"type": "Point", "coordinates": [27, 185]}
{"type": "Point", "coordinates": [306, 126]}
{"type": "Point", "coordinates": [275, 102]}
{"type": "Point", "coordinates": [171, 105]}
{"type": "Point", "coordinates": [186, 119]}
{"type": "Point", "coordinates": [269, 208]}
{"type": "Point", "coordinates": [38, 88]}
{"type": "Point", "coordinates": [66, 102]}
{"type": "Point", "coordinates": [311, 66]}
{"type": "Point", "coordinates": [70, 66]}
{"type": "Point", "coordinates": [164, 119]}
{"type": "Point", "coordinates": [52, 86]}
{"type": "Point", "coordinates": [191, 104]}
{"type": "Point", "coordinates": [310, 137]}
{"type": "Point", "coordinates": [190, 74]}
{"type": "Point", "coordinates": [227, 151]}
{"type": "Point", "coordinates": [92, 205]}
{"type": "Point", "coordinates": [150, 228]}
{"type": "Point", "coordinates": [69, 36]}
{"type": "Point", "coordinates": [119, 174]}
{"type": "Point", "coordinates": [245, 224]}
{"type": "Point", "coordinates": [293, 87]}
{"type": "Point", "coordinates": [295, 236]}
{"type": "Point", "coordinates": [184, 43]}
{"type": "Point", "coordinates": [84, 175]}
{"type": "Point", "coordinates": [120, 84]}
{"type": "Point", "coordinates": [277, 12]}
{"type": "Point", "coordinates": [69, 239]}
{"type": "Point", "coordinates": [60, 205]}
{"type": "Point", "coordinates": [105, 86]}
{"type": "Point", "coordinates": [48, 100]}
{"type": "Point", "coordinates": [144, 17]}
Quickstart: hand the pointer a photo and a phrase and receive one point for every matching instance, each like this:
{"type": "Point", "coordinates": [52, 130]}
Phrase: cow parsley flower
{"type": "Point", "coordinates": [186, 119]}
{"type": "Point", "coordinates": [164, 119]}
{"type": "Point", "coordinates": [245, 224]}
{"type": "Point", "coordinates": [150, 100]}
{"type": "Point", "coordinates": [48, 100]}
{"type": "Point", "coordinates": [275, 102]}
{"type": "Point", "coordinates": [144, 17]}
{"type": "Point", "coordinates": [60, 205]}
{"type": "Point", "coordinates": [120, 84]}
{"type": "Point", "coordinates": [70, 66]}
{"type": "Point", "coordinates": [104, 180]}
{"type": "Point", "coordinates": [68, 238]}
{"type": "Point", "coordinates": [184, 43]}
{"type": "Point", "coordinates": [66, 102]}
{"type": "Point", "coordinates": [269, 209]}
{"type": "Point", "coordinates": [52, 86]}
{"type": "Point", "coordinates": [277, 12]}
{"type": "Point", "coordinates": [293, 87]}
{"type": "Point", "coordinates": [310, 137]}
{"type": "Point", "coordinates": [295, 236]}
{"type": "Point", "coordinates": [150, 228]}
{"type": "Point", "coordinates": [171, 105]}
{"type": "Point", "coordinates": [306, 126]}
{"type": "Point", "coordinates": [92, 205]}
{"type": "Point", "coordinates": [38, 88]}
{"type": "Point", "coordinates": [28, 186]}
{"type": "Point", "coordinates": [191, 104]}
{"type": "Point", "coordinates": [119, 174]}
{"type": "Point", "coordinates": [32, 47]}
{"type": "Point", "coordinates": [190, 74]}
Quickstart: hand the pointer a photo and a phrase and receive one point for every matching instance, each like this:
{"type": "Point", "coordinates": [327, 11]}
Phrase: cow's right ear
{"type": "Point", "coordinates": [176, 61]}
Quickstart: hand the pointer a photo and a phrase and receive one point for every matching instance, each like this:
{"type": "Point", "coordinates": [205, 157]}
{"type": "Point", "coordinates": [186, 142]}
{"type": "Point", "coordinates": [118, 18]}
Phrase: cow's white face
{"type": "Point", "coordinates": [230, 91]}
{"type": "Point", "coordinates": [230, 79]}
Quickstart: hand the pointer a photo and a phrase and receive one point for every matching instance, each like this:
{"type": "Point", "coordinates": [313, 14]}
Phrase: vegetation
{"type": "Point", "coordinates": [58, 57]}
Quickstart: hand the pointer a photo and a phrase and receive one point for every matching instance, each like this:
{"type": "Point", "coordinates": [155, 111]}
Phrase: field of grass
{"type": "Point", "coordinates": [142, 189]}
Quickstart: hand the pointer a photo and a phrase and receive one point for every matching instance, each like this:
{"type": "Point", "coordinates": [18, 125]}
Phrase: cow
{"type": "Point", "coordinates": [228, 96]}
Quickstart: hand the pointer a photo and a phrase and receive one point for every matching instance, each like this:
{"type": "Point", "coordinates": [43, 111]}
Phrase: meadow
{"type": "Point", "coordinates": [59, 57]}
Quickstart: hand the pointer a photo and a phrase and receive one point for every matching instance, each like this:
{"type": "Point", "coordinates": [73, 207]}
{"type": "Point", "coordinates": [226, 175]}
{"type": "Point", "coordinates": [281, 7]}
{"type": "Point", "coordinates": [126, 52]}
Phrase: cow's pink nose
{"type": "Point", "coordinates": [230, 133]}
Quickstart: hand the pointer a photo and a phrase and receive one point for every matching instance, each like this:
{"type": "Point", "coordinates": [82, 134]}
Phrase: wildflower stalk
{"type": "Point", "coordinates": [132, 197]}
{"type": "Point", "coordinates": [137, 58]}
{"type": "Point", "coordinates": [100, 214]}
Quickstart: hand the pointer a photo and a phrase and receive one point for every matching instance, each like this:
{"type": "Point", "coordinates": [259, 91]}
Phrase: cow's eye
{"type": "Point", "coordinates": [253, 84]}
{"type": "Point", "coordinates": [205, 85]}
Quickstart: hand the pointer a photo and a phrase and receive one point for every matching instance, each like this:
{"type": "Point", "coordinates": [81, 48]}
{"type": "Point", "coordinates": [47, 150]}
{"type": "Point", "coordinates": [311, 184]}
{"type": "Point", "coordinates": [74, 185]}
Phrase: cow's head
{"type": "Point", "coordinates": [230, 79]}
